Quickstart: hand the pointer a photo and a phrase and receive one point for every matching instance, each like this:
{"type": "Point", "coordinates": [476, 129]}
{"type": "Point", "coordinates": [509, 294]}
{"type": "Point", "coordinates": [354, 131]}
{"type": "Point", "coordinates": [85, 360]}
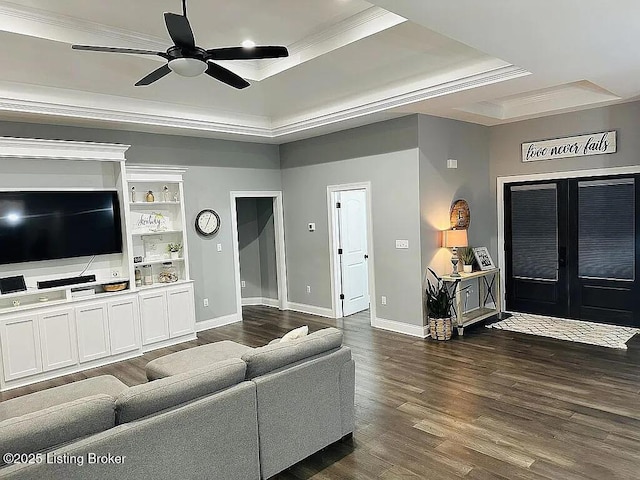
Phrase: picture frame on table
{"type": "Point", "coordinates": [483, 258]}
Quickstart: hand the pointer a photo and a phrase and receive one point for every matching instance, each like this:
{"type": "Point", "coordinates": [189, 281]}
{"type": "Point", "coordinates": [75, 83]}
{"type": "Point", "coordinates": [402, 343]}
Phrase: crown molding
{"type": "Point", "coordinates": [260, 127]}
{"type": "Point", "coordinates": [389, 102]}
{"type": "Point", "coordinates": [11, 147]}
{"type": "Point", "coordinates": [54, 26]}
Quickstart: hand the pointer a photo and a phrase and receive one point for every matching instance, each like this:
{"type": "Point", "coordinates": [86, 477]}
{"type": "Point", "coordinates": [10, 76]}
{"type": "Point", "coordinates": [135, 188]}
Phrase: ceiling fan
{"type": "Point", "coordinates": [187, 59]}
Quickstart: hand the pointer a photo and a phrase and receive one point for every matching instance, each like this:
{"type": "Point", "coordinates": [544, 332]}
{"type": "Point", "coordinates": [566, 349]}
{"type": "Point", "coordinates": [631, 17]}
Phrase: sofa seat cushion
{"type": "Point", "coordinates": [149, 398]}
{"type": "Point", "coordinates": [274, 356]}
{"type": "Point", "coordinates": [104, 384]}
{"type": "Point", "coordinates": [193, 358]}
{"type": "Point", "coordinates": [46, 428]}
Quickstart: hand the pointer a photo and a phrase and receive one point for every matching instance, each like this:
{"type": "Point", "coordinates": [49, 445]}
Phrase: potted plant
{"type": "Point", "coordinates": [174, 250]}
{"type": "Point", "coordinates": [467, 257]}
{"type": "Point", "coordinates": [439, 300]}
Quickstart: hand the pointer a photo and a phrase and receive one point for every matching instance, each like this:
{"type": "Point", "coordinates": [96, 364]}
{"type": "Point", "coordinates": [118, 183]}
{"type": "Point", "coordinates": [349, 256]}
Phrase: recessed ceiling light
{"type": "Point", "coordinates": [248, 44]}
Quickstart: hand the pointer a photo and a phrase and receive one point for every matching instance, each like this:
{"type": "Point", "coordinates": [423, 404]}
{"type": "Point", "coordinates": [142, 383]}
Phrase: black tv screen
{"type": "Point", "coordinates": [54, 225]}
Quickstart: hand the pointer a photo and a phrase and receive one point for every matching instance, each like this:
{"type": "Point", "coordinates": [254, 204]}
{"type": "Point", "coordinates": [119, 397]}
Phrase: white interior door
{"type": "Point", "coordinates": [352, 221]}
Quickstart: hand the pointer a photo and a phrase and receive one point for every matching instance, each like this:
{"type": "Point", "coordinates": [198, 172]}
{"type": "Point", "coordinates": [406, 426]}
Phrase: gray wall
{"type": "Point", "coordinates": [442, 139]}
{"type": "Point", "coordinates": [506, 141]}
{"type": "Point", "coordinates": [215, 167]}
{"type": "Point", "coordinates": [386, 154]}
{"type": "Point", "coordinates": [256, 239]}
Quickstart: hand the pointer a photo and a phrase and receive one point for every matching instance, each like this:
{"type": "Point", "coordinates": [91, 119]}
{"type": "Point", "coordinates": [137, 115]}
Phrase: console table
{"type": "Point", "coordinates": [488, 292]}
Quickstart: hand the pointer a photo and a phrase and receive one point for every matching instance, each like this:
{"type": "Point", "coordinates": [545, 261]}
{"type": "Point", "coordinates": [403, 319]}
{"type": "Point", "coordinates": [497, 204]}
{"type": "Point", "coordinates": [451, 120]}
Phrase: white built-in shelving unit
{"type": "Point", "coordinates": [50, 332]}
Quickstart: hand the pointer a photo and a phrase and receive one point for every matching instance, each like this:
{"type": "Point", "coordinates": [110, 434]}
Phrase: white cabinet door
{"type": "Point", "coordinates": [20, 343]}
{"type": "Point", "coordinates": [155, 320]}
{"type": "Point", "coordinates": [92, 326]}
{"type": "Point", "coordinates": [124, 332]}
{"type": "Point", "coordinates": [58, 339]}
{"type": "Point", "coordinates": [181, 311]}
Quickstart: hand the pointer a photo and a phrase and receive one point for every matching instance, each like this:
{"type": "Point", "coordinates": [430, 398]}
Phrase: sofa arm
{"type": "Point", "coordinates": [347, 397]}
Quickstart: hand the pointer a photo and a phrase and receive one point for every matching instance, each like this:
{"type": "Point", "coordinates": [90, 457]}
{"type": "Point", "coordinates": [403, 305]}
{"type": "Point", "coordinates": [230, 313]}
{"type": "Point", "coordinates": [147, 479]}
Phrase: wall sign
{"type": "Point", "coordinates": [580, 146]}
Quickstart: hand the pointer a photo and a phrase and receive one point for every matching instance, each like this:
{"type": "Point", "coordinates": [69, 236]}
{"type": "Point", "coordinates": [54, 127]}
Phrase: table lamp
{"type": "Point", "coordinates": [453, 239]}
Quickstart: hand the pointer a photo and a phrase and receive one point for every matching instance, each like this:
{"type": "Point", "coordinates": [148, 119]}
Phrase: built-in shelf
{"type": "Point", "coordinates": [159, 285]}
{"type": "Point", "coordinates": [43, 291]}
{"type": "Point", "coordinates": [151, 204]}
{"type": "Point", "coordinates": [163, 232]}
{"type": "Point", "coordinates": [158, 262]}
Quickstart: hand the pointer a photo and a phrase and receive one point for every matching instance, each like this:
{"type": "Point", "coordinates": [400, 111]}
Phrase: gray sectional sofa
{"type": "Point", "coordinates": [220, 411]}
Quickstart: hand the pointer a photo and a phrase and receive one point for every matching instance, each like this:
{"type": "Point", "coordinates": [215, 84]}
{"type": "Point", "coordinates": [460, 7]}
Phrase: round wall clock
{"type": "Point", "coordinates": [460, 214]}
{"type": "Point", "coordinates": [207, 222]}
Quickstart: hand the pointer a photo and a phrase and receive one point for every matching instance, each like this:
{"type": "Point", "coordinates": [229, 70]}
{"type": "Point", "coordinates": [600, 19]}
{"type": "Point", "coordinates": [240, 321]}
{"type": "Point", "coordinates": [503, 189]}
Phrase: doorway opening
{"type": "Point", "coordinates": [351, 250]}
{"type": "Point", "coordinates": [258, 245]}
{"type": "Point", "coordinates": [571, 248]}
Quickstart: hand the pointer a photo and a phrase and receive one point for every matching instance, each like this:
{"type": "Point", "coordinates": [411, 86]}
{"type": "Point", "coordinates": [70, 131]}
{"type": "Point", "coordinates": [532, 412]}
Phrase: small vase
{"type": "Point", "coordinates": [150, 197]}
{"type": "Point", "coordinates": [440, 328]}
{"type": "Point", "coordinates": [467, 268]}
{"type": "Point", "coordinates": [175, 255]}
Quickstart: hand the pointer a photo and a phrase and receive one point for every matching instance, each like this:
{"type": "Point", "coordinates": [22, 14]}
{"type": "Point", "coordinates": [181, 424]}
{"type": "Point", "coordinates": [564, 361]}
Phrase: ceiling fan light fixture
{"type": "Point", "coordinates": [188, 67]}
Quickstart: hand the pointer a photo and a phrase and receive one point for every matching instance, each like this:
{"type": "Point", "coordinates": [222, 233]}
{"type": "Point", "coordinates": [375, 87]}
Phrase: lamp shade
{"type": "Point", "coordinates": [454, 238]}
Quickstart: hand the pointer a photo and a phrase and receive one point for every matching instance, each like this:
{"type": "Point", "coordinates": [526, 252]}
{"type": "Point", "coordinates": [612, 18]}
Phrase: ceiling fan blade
{"type": "Point", "coordinates": [241, 53]}
{"type": "Point", "coordinates": [91, 48]}
{"type": "Point", "coordinates": [226, 76]}
{"type": "Point", "coordinates": [154, 76]}
{"type": "Point", "coordinates": [179, 30]}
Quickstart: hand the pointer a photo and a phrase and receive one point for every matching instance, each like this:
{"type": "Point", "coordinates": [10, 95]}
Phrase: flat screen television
{"type": "Point", "coordinates": [58, 224]}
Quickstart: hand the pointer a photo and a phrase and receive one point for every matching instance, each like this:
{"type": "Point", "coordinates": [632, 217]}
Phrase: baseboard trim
{"type": "Point", "coordinates": [421, 331]}
{"type": "Point", "coordinates": [267, 302]}
{"type": "Point", "coordinates": [310, 309]}
{"type": "Point", "coordinates": [218, 322]}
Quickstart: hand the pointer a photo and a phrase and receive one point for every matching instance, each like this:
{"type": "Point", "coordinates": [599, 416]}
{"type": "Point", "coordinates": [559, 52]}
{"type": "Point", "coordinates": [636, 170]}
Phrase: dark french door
{"type": "Point", "coordinates": [572, 248]}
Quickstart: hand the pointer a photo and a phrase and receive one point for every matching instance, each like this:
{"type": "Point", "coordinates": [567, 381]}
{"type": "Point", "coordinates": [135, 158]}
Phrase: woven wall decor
{"type": "Point", "coordinates": [460, 214]}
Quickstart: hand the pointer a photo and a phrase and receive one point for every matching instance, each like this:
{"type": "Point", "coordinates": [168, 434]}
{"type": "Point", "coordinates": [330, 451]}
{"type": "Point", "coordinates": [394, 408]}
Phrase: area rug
{"type": "Point", "coordinates": [611, 336]}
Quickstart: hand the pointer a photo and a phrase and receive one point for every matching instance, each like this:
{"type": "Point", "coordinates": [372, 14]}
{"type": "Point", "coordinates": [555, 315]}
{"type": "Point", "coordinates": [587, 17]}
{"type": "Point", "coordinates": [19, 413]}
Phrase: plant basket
{"type": "Point", "coordinates": [440, 328]}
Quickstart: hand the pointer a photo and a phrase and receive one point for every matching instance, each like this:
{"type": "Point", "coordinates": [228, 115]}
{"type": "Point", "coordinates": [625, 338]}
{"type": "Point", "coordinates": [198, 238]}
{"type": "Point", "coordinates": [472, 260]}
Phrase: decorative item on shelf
{"type": "Point", "coordinates": [468, 257]}
{"type": "Point", "coordinates": [168, 273]}
{"type": "Point", "coordinates": [43, 299]}
{"type": "Point", "coordinates": [439, 300]}
{"type": "Point", "coordinates": [166, 194]}
{"type": "Point", "coordinates": [460, 215]}
{"type": "Point", "coordinates": [174, 250]}
{"type": "Point", "coordinates": [137, 259]}
{"type": "Point", "coordinates": [453, 239]}
{"type": "Point", "coordinates": [149, 197]}
{"type": "Point", "coordinates": [176, 197]}
{"type": "Point", "coordinates": [151, 222]}
{"type": "Point", "coordinates": [138, 277]}
{"type": "Point", "coordinates": [133, 194]}
{"type": "Point", "coordinates": [147, 275]}
{"type": "Point", "coordinates": [483, 258]}
{"type": "Point", "coordinates": [16, 303]}
{"type": "Point", "coordinates": [115, 287]}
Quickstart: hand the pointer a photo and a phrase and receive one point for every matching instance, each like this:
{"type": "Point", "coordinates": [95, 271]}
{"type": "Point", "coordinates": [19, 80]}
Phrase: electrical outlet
{"type": "Point", "coordinates": [243, 284]}
{"type": "Point", "coordinates": [219, 247]}
{"type": "Point", "coordinates": [403, 244]}
{"type": "Point", "coordinates": [308, 288]}
{"type": "Point", "coordinates": [205, 302]}
{"type": "Point", "coordinates": [383, 300]}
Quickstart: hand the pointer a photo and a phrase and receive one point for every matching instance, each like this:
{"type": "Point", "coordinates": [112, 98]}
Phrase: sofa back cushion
{"type": "Point", "coordinates": [149, 398]}
{"type": "Point", "coordinates": [271, 357]}
{"type": "Point", "coordinates": [46, 428]}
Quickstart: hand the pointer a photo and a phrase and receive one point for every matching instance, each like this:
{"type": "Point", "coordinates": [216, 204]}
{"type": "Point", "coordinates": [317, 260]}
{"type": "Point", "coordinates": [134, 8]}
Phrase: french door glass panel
{"type": "Point", "coordinates": [606, 229]}
{"type": "Point", "coordinates": [534, 214]}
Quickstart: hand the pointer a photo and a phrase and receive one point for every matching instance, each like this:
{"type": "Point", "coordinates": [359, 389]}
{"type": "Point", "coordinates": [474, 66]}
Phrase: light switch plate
{"type": "Point", "coordinates": [402, 244]}
{"type": "Point", "coordinates": [219, 247]}
{"type": "Point", "coordinates": [451, 163]}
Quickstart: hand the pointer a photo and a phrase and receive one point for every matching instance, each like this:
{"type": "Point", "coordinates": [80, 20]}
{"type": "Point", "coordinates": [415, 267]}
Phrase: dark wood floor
{"type": "Point", "coordinates": [492, 405]}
